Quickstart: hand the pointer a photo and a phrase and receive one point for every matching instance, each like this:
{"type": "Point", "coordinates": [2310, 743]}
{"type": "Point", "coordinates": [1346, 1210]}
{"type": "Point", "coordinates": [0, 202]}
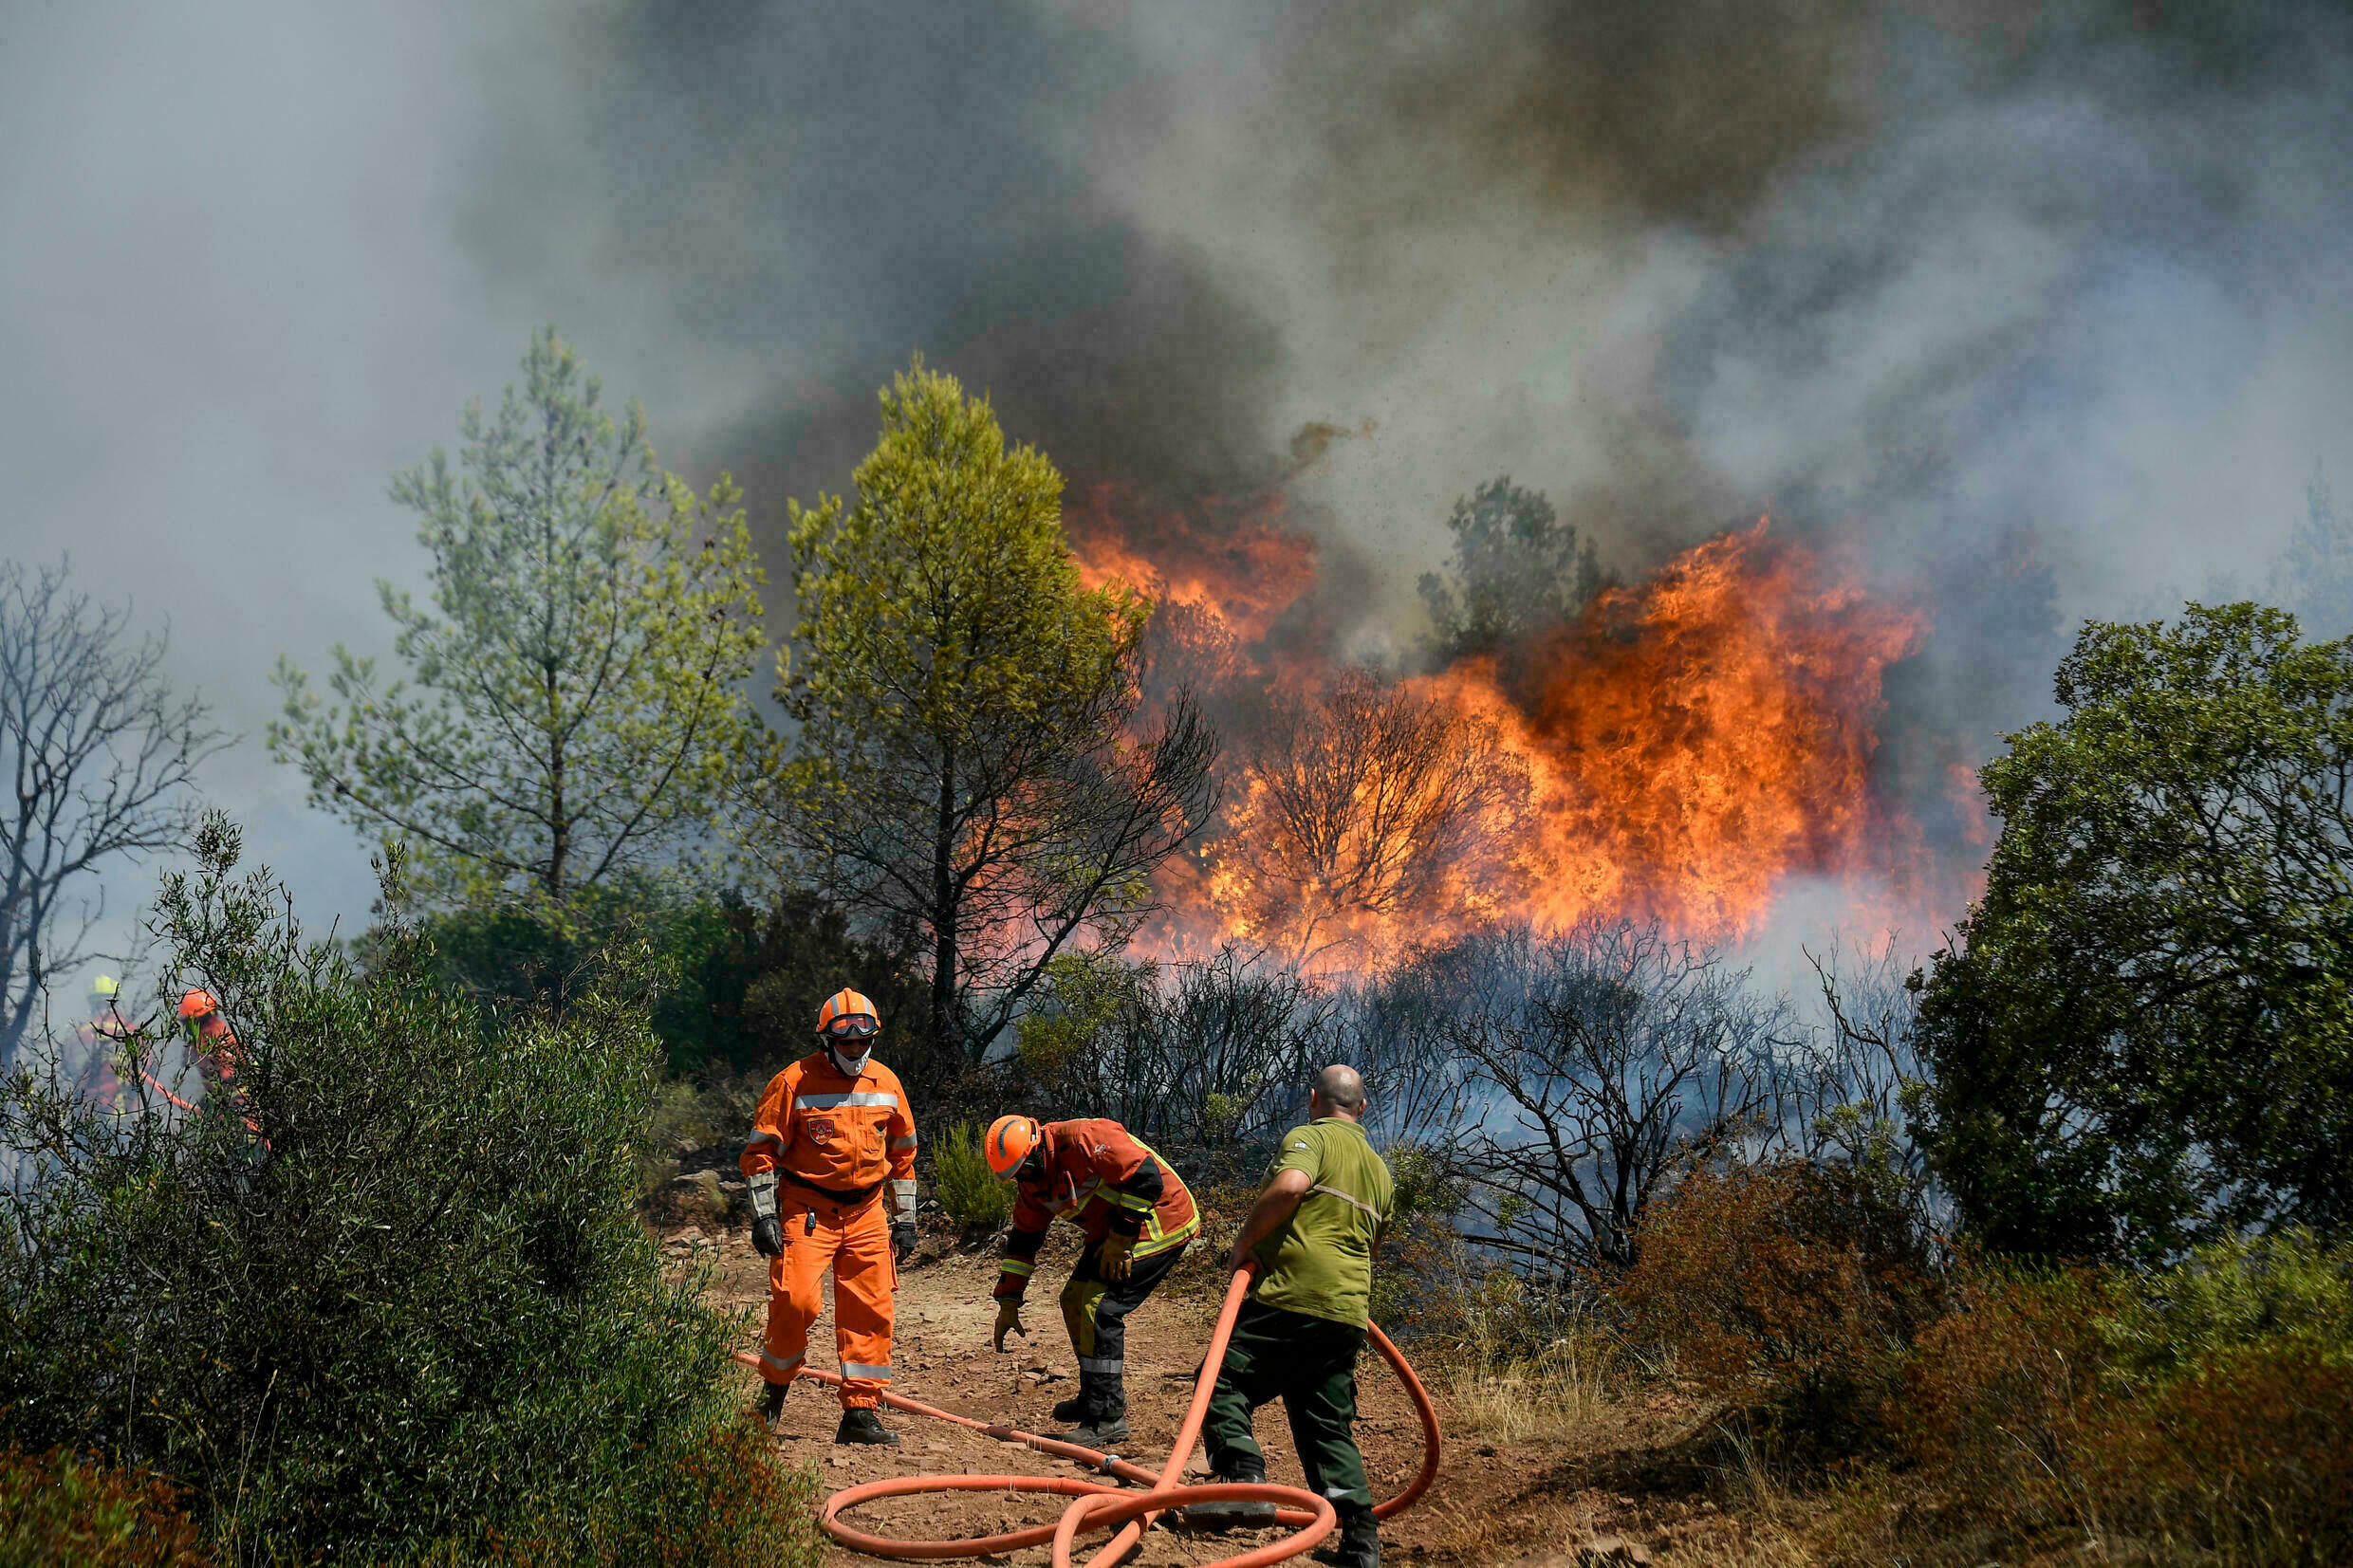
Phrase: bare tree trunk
{"type": "Point", "coordinates": [559, 826]}
{"type": "Point", "coordinates": [944, 912]}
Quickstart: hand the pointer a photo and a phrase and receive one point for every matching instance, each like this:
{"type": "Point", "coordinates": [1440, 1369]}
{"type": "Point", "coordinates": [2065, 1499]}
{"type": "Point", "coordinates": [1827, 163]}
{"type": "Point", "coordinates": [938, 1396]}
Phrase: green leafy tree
{"type": "Point", "coordinates": [391, 1302]}
{"type": "Point", "coordinates": [2141, 1035]}
{"type": "Point", "coordinates": [966, 767]}
{"type": "Point", "coordinates": [576, 712]}
{"type": "Point", "coordinates": [1517, 570]}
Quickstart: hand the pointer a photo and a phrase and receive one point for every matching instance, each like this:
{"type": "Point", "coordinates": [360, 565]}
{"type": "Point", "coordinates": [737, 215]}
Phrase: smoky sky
{"type": "Point", "coordinates": [2046, 310]}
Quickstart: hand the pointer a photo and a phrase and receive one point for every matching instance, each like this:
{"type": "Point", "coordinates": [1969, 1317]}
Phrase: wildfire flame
{"type": "Point", "coordinates": [1683, 750]}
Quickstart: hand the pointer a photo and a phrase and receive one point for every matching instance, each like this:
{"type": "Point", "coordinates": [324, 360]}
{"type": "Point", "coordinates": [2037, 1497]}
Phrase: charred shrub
{"type": "Point", "coordinates": [1791, 1286]}
{"type": "Point", "coordinates": [398, 1294]}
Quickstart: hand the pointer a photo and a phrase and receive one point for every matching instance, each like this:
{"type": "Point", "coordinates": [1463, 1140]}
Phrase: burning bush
{"type": "Point", "coordinates": [401, 1300]}
{"type": "Point", "coordinates": [1796, 1284]}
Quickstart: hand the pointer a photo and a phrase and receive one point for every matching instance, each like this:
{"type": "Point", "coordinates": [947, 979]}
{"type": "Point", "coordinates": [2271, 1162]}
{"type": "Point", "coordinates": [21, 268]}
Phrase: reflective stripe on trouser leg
{"type": "Point", "coordinates": [862, 1277]}
{"type": "Point", "coordinates": [796, 1282]}
{"type": "Point", "coordinates": [1095, 1315]}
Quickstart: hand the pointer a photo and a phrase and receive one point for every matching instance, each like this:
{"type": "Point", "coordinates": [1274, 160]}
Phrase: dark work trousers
{"type": "Point", "coordinates": [1096, 1314]}
{"type": "Point", "coordinates": [1308, 1363]}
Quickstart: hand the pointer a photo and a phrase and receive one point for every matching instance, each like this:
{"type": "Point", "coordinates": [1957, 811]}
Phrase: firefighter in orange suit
{"type": "Point", "coordinates": [1137, 1217]}
{"type": "Point", "coordinates": [831, 1167]}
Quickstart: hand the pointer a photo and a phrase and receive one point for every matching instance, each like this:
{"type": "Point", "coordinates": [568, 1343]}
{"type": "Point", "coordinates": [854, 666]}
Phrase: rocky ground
{"type": "Point", "coordinates": [1618, 1486]}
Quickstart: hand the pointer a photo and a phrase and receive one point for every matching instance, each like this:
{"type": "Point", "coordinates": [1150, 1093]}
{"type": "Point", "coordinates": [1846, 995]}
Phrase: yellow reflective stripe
{"type": "Point", "coordinates": [1011, 1265]}
{"type": "Point", "coordinates": [1129, 1200]}
{"type": "Point", "coordinates": [1162, 1240]}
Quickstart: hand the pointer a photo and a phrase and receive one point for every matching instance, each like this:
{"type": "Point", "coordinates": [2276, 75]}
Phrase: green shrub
{"type": "Point", "coordinates": [741, 985]}
{"type": "Point", "coordinates": [969, 1190]}
{"type": "Point", "coordinates": [412, 1306]}
{"type": "Point", "coordinates": [2283, 1291]}
{"type": "Point", "coordinates": [56, 1511]}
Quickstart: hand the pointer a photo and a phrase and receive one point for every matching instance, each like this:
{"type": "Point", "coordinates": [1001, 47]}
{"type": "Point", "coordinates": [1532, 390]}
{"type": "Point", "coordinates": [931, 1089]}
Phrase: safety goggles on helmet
{"type": "Point", "coordinates": [853, 1026]}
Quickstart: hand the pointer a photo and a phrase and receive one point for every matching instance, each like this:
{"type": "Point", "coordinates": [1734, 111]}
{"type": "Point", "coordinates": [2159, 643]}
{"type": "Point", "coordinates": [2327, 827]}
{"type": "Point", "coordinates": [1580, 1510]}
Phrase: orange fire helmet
{"type": "Point", "coordinates": [198, 1005]}
{"type": "Point", "coordinates": [843, 1013]}
{"type": "Point", "coordinates": [1009, 1142]}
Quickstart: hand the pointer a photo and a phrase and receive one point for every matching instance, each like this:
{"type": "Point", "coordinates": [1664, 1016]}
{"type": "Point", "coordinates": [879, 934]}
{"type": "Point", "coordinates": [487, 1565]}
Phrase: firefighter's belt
{"type": "Point", "coordinates": [847, 1198]}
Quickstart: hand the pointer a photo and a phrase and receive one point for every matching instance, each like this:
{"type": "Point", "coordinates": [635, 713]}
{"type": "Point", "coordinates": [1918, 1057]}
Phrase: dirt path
{"type": "Point", "coordinates": [1529, 1502]}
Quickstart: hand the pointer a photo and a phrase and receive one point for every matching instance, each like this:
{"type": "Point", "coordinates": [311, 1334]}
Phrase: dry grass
{"type": "Point", "coordinates": [1548, 1399]}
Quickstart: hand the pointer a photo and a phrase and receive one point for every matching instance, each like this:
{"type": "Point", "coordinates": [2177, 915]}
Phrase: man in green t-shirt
{"type": "Point", "coordinates": [1327, 1201]}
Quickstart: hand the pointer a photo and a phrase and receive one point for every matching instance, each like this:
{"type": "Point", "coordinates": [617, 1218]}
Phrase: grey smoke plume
{"type": "Point", "coordinates": [2044, 307]}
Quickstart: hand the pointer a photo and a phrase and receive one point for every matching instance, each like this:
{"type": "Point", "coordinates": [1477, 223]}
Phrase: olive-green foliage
{"type": "Point", "coordinates": [741, 985]}
{"type": "Point", "coordinates": [963, 766]}
{"type": "Point", "coordinates": [2144, 1035]}
{"type": "Point", "coordinates": [2288, 1291]}
{"type": "Point", "coordinates": [395, 1296]}
{"type": "Point", "coordinates": [1517, 572]}
{"type": "Point", "coordinates": [579, 710]}
{"type": "Point", "coordinates": [969, 1190]}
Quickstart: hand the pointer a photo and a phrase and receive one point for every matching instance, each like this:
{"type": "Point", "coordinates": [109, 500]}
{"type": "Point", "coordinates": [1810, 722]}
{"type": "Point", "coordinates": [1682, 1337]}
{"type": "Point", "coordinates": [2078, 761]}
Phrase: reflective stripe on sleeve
{"type": "Point", "coordinates": [761, 1135]}
{"type": "Point", "coordinates": [859, 1368]}
{"type": "Point", "coordinates": [907, 1142]}
{"type": "Point", "coordinates": [1129, 1200]}
{"type": "Point", "coordinates": [829, 1102]}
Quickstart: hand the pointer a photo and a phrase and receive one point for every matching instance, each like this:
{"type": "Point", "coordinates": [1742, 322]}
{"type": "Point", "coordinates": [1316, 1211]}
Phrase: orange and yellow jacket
{"type": "Point", "coordinates": [840, 1136]}
{"type": "Point", "coordinates": [1101, 1178]}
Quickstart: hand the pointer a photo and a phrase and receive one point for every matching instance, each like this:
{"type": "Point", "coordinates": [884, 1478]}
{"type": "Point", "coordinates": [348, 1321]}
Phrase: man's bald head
{"type": "Point", "coordinates": [1341, 1090]}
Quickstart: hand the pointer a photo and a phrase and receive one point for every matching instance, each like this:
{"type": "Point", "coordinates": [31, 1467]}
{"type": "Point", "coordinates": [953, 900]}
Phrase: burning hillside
{"type": "Point", "coordinates": [1683, 749]}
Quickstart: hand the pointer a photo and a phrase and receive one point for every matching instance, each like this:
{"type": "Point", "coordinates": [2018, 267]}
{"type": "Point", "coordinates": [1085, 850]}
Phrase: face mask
{"type": "Point", "coordinates": [851, 1066]}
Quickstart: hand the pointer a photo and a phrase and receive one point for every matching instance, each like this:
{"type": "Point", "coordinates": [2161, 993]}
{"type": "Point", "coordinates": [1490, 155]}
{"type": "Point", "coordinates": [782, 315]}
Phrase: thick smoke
{"type": "Point", "coordinates": [2042, 308]}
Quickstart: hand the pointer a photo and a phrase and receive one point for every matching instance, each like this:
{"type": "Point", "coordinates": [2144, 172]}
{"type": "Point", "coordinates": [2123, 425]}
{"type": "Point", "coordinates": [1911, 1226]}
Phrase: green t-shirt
{"type": "Point", "coordinates": [1320, 1263]}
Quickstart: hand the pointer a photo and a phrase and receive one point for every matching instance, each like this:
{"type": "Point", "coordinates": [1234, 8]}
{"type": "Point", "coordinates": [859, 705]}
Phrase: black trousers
{"type": "Point", "coordinates": [1096, 1313]}
{"type": "Point", "coordinates": [1308, 1363]}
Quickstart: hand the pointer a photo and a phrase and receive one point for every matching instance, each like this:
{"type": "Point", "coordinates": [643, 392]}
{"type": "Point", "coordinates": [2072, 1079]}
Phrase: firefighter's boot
{"type": "Point", "coordinates": [1358, 1544]}
{"type": "Point", "coordinates": [772, 1408]}
{"type": "Point", "coordinates": [1100, 1411]}
{"type": "Point", "coordinates": [861, 1424]}
{"type": "Point", "coordinates": [1240, 1514]}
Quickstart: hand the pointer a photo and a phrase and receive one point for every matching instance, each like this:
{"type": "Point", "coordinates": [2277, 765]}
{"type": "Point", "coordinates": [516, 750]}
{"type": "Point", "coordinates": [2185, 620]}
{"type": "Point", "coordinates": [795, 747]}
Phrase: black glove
{"type": "Point", "coordinates": [767, 1236]}
{"type": "Point", "coordinates": [902, 1241]}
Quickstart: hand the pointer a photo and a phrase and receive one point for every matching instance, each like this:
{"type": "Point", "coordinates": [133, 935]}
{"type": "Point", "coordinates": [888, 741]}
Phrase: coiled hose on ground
{"type": "Point", "coordinates": [1096, 1504]}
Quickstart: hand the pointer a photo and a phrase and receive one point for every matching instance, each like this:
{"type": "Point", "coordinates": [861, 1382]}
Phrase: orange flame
{"type": "Point", "coordinates": [1242, 567]}
{"type": "Point", "coordinates": [1684, 750]}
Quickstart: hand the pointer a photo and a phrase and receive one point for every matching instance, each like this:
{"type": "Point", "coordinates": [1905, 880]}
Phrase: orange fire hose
{"type": "Point", "coordinates": [1095, 1505]}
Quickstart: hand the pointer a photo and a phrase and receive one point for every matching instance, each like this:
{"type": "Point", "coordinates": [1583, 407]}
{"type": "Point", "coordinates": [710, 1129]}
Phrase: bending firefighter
{"type": "Point", "coordinates": [1326, 1200]}
{"type": "Point", "coordinates": [1137, 1218]}
{"type": "Point", "coordinates": [834, 1133]}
